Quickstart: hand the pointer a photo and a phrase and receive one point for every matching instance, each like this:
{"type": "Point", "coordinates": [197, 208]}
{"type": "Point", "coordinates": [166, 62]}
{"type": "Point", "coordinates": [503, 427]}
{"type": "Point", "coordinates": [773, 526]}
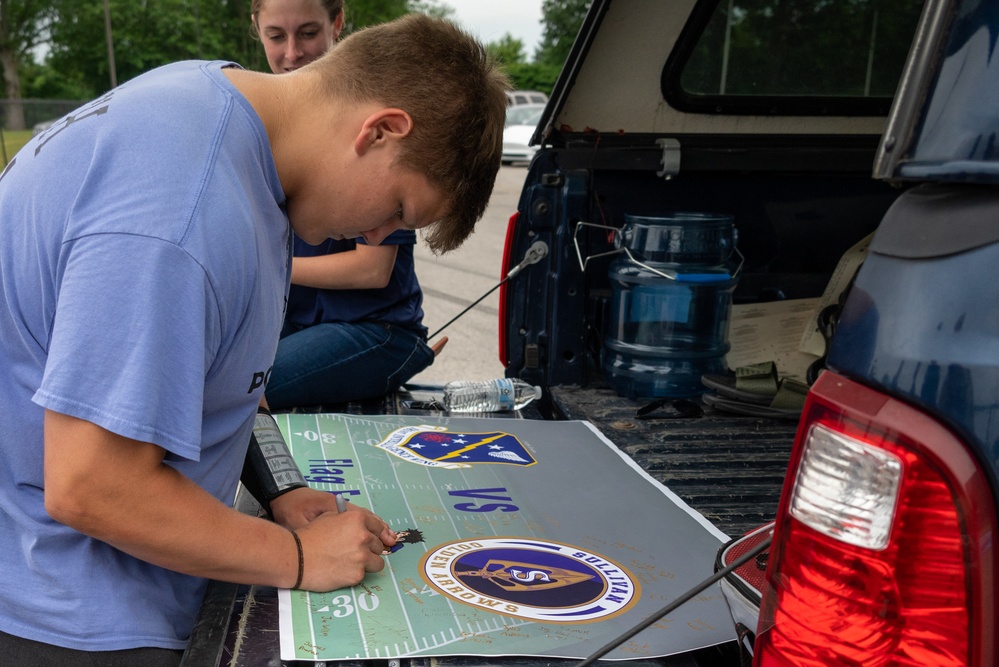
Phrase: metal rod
{"type": "Point", "coordinates": [718, 576]}
{"type": "Point", "coordinates": [472, 305]}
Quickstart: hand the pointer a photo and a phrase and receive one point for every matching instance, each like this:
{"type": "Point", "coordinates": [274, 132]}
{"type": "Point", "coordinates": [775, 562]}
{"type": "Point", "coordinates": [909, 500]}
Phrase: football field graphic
{"type": "Point", "coordinates": [517, 537]}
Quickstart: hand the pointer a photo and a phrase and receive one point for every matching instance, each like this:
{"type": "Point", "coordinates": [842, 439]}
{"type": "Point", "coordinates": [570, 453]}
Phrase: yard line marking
{"type": "Point", "coordinates": [391, 570]}
{"type": "Point", "coordinates": [395, 473]}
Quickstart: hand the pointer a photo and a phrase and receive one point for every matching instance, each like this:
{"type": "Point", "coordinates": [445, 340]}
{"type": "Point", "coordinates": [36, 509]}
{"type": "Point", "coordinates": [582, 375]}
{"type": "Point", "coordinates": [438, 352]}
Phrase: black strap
{"type": "Point", "coordinates": [269, 470]}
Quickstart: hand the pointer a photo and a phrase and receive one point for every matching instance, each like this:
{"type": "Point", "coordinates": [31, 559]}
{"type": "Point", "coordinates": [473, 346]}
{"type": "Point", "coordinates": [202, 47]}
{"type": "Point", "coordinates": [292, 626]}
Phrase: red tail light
{"type": "Point", "coordinates": [504, 269]}
{"type": "Point", "coordinates": [884, 548]}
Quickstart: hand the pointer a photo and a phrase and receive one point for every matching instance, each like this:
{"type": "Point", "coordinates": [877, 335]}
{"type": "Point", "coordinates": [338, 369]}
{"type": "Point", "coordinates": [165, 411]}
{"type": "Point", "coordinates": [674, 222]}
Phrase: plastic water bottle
{"type": "Point", "coordinates": [499, 395]}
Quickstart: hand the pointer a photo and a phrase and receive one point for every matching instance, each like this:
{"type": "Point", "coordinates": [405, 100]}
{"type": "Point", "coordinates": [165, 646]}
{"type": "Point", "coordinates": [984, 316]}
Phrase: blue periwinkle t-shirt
{"type": "Point", "coordinates": [144, 267]}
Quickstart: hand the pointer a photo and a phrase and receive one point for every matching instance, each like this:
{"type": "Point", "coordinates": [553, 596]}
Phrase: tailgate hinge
{"type": "Point", "coordinates": [669, 164]}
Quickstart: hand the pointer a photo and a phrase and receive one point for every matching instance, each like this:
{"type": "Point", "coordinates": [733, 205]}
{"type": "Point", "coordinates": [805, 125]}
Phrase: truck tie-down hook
{"type": "Point", "coordinates": [534, 254]}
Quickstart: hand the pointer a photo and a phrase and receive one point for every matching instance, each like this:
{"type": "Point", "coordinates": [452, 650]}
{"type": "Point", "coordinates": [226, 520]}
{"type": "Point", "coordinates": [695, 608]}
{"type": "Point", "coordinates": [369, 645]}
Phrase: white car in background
{"type": "Point", "coordinates": [521, 97]}
{"type": "Point", "coordinates": [516, 115]}
{"type": "Point", "coordinates": [517, 137]}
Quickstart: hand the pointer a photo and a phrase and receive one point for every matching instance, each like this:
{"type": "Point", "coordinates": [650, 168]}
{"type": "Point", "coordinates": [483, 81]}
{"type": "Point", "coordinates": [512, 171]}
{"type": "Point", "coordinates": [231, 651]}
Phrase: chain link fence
{"type": "Point", "coordinates": [19, 119]}
{"type": "Point", "coordinates": [25, 114]}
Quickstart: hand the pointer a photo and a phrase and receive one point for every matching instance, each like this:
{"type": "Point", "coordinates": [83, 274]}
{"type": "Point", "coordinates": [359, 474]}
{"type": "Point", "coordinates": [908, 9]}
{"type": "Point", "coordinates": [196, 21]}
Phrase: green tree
{"type": "Point", "coordinates": [533, 76]}
{"type": "Point", "coordinates": [22, 26]}
{"type": "Point", "coordinates": [434, 8]}
{"type": "Point", "coordinates": [363, 13]}
{"type": "Point", "coordinates": [507, 50]}
{"type": "Point", "coordinates": [146, 35]}
{"type": "Point", "coordinates": [561, 20]}
{"type": "Point", "coordinates": [42, 81]}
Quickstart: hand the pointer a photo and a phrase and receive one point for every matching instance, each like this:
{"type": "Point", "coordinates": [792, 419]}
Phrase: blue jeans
{"type": "Point", "coordinates": [335, 362]}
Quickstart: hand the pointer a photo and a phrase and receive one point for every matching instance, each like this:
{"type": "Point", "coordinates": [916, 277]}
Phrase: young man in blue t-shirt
{"type": "Point", "coordinates": [144, 267]}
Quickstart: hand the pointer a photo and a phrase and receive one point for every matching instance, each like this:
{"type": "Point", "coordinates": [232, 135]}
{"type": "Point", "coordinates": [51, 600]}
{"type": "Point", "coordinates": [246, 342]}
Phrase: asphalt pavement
{"type": "Point", "coordinates": [454, 281]}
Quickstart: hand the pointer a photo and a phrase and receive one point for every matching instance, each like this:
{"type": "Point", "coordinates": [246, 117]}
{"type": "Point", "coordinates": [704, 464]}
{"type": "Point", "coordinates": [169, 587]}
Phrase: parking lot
{"type": "Point", "coordinates": [452, 282]}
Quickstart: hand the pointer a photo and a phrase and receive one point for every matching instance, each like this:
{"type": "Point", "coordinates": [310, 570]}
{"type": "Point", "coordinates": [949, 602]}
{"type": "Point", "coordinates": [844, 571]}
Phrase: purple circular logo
{"type": "Point", "coordinates": [539, 580]}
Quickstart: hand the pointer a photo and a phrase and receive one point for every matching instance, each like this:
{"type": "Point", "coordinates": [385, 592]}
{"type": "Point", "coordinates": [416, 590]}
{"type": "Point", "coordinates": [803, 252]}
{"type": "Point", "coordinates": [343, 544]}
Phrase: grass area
{"type": "Point", "coordinates": [12, 143]}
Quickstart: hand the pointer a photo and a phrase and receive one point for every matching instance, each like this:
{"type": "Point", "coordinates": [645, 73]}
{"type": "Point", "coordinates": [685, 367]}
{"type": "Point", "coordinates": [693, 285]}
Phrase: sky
{"type": "Point", "coordinates": [489, 20]}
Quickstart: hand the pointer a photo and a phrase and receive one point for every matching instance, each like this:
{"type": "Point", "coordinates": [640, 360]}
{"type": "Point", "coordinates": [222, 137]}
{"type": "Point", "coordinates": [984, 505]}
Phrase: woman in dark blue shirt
{"type": "Point", "coordinates": [354, 324]}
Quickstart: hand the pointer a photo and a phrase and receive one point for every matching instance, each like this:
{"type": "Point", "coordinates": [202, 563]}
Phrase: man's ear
{"type": "Point", "coordinates": [338, 25]}
{"type": "Point", "coordinates": [382, 126]}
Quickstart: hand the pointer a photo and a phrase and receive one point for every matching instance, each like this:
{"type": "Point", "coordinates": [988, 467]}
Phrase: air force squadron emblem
{"type": "Point", "coordinates": [538, 580]}
{"type": "Point", "coordinates": [436, 447]}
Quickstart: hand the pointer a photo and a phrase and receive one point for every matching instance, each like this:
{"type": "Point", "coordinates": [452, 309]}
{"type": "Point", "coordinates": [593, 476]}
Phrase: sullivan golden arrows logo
{"type": "Point", "coordinates": [520, 576]}
{"type": "Point", "coordinates": [539, 580]}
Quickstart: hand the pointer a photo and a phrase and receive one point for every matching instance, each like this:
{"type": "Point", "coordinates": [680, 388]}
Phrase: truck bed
{"type": "Point", "coordinates": [729, 468]}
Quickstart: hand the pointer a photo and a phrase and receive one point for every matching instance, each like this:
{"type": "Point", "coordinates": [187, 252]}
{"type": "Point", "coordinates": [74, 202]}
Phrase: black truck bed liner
{"type": "Point", "coordinates": [729, 468]}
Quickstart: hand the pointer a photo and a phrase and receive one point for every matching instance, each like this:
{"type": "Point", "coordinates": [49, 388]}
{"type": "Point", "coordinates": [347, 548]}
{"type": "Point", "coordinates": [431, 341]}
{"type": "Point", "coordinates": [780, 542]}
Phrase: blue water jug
{"type": "Point", "coordinates": [672, 299]}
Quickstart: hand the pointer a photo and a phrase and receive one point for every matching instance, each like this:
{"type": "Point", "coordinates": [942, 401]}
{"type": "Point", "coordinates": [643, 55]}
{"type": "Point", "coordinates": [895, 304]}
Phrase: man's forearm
{"type": "Point", "coordinates": [365, 267]}
{"type": "Point", "coordinates": [119, 491]}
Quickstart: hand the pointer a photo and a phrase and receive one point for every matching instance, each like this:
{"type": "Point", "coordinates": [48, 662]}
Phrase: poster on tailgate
{"type": "Point", "coordinates": [516, 538]}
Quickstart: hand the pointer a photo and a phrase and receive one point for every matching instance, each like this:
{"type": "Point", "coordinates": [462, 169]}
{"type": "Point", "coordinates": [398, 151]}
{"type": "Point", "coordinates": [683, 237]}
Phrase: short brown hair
{"type": "Point", "coordinates": [332, 7]}
{"type": "Point", "coordinates": [456, 95]}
